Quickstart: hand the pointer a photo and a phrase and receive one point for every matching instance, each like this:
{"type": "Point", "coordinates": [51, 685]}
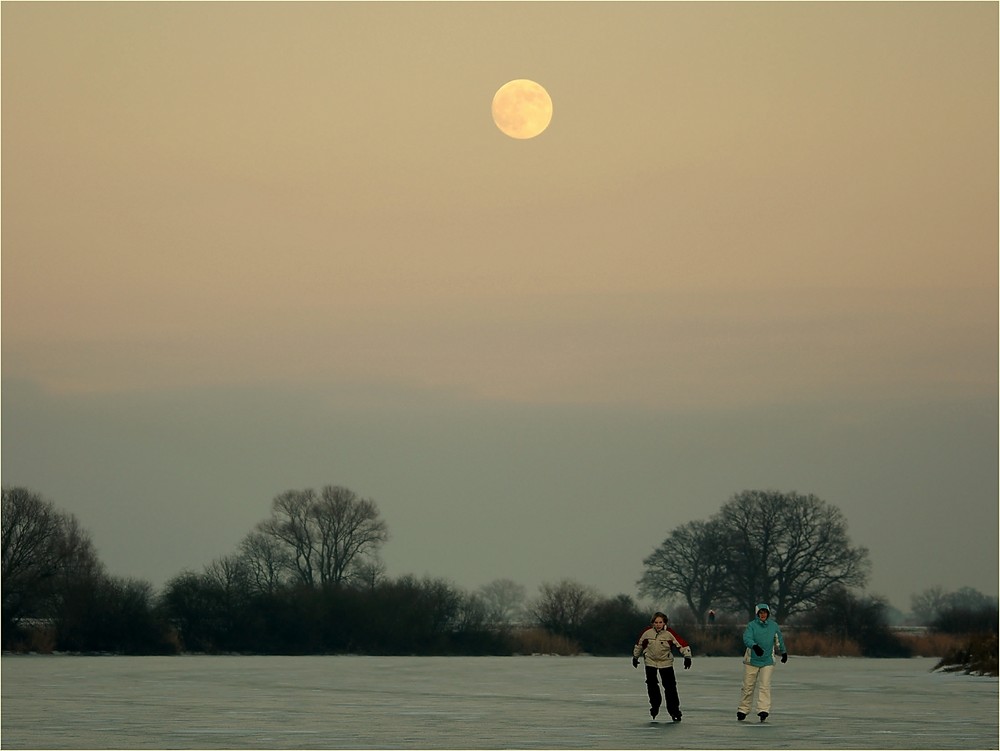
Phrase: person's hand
{"type": "Point", "coordinates": [635, 662]}
{"type": "Point", "coordinates": [687, 663]}
{"type": "Point", "coordinates": [757, 650]}
{"type": "Point", "coordinates": [784, 656]}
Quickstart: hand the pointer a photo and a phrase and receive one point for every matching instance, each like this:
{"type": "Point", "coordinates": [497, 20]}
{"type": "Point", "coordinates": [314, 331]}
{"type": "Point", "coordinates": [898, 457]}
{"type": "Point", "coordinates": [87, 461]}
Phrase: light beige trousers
{"type": "Point", "coordinates": [759, 678]}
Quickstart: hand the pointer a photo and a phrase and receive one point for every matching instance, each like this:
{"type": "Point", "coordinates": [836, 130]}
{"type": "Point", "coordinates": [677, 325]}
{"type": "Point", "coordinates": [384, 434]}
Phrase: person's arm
{"type": "Point", "coordinates": [750, 640]}
{"type": "Point", "coordinates": [682, 646]}
{"type": "Point", "coordinates": [640, 646]}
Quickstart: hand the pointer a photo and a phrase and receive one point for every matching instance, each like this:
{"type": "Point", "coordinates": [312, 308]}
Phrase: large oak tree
{"type": "Point", "coordinates": [787, 549]}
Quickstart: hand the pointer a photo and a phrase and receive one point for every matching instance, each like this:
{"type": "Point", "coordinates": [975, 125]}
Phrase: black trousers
{"type": "Point", "coordinates": [669, 689]}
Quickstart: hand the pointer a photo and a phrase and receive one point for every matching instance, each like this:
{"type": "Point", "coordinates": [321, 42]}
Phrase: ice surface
{"type": "Point", "coordinates": [196, 702]}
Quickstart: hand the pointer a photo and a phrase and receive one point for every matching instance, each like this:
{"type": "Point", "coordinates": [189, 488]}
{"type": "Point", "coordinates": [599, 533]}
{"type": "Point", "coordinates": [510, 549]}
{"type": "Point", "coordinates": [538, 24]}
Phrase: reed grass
{"type": "Point", "coordinates": [728, 642]}
{"type": "Point", "coordinates": [538, 641]}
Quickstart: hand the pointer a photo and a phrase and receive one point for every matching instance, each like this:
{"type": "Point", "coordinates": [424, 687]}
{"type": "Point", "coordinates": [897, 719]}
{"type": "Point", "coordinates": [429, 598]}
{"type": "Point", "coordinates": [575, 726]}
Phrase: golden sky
{"type": "Point", "coordinates": [736, 205]}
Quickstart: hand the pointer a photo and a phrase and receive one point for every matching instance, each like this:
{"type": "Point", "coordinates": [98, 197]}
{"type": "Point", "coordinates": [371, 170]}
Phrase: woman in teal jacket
{"type": "Point", "coordinates": [761, 637]}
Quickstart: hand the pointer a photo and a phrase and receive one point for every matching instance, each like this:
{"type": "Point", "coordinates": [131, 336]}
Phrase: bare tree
{"type": "Point", "coordinates": [690, 563]}
{"type": "Point", "coordinates": [266, 559]}
{"type": "Point", "coordinates": [562, 608]}
{"type": "Point", "coordinates": [77, 552]}
{"type": "Point", "coordinates": [230, 574]}
{"type": "Point", "coordinates": [31, 547]}
{"type": "Point", "coordinates": [504, 602]}
{"type": "Point", "coordinates": [785, 548]}
{"type": "Point", "coordinates": [291, 523]}
{"type": "Point", "coordinates": [367, 573]}
{"type": "Point", "coordinates": [969, 598]}
{"type": "Point", "coordinates": [348, 527]}
{"type": "Point", "coordinates": [788, 549]}
{"type": "Point", "coordinates": [44, 553]}
{"type": "Point", "coordinates": [323, 535]}
{"type": "Point", "coordinates": [929, 603]}
{"type": "Point", "coordinates": [472, 614]}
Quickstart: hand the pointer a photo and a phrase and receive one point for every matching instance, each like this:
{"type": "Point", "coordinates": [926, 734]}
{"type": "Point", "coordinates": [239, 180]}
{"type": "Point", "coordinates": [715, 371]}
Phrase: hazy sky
{"type": "Point", "coordinates": [251, 247]}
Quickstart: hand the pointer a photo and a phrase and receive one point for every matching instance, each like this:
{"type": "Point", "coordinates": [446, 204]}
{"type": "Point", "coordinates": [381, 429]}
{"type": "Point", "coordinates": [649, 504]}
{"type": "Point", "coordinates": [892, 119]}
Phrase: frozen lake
{"type": "Point", "coordinates": [197, 702]}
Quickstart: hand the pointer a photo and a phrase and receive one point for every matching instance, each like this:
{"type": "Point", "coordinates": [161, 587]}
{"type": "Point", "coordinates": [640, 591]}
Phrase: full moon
{"type": "Point", "coordinates": [522, 108]}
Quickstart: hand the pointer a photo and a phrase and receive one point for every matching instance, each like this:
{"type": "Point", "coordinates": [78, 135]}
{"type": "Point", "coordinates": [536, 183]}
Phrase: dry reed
{"type": "Point", "coordinates": [534, 641]}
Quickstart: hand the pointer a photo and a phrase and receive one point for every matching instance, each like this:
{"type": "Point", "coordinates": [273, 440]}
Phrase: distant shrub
{"type": "Point", "coordinates": [846, 617]}
{"type": "Point", "coordinates": [978, 656]}
{"type": "Point", "coordinates": [715, 641]}
{"type": "Point", "coordinates": [966, 620]}
{"type": "Point", "coordinates": [604, 623]}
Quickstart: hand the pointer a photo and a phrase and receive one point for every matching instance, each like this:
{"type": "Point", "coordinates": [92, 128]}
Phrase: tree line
{"type": "Point", "coordinates": [308, 579]}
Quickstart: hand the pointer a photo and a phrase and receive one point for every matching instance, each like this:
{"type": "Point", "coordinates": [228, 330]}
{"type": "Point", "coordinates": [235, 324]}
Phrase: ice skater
{"type": "Point", "coordinates": [761, 637]}
{"type": "Point", "coordinates": [655, 645]}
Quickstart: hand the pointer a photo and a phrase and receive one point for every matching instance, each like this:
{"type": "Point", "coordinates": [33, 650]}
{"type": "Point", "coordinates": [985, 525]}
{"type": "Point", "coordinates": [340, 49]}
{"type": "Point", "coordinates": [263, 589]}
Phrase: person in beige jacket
{"type": "Point", "coordinates": [655, 645]}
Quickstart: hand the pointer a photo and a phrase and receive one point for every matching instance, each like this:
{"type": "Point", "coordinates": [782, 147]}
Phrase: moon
{"type": "Point", "coordinates": [522, 108]}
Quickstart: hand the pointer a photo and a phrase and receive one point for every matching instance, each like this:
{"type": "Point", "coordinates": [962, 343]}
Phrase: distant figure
{"type": "Point", "coordinates": [761, 636]}
{"type": "Point", "coordinates": [711, 616]}
{"type": "Point", "coordinates": [654, 645]}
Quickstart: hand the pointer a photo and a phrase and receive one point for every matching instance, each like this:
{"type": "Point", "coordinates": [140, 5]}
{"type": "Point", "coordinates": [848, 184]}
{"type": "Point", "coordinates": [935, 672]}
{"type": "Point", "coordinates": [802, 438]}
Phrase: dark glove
{"type": "Point", "coordinates": [784, 656]}
{"type": "Point", "coordinates": [635, 662]}
{"type": "Point", "coordinates": [645, 643]}
{"type": "Point", "coordinates": [757, 650]}
{"type": "Point", "coordinates": [687, 662]}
